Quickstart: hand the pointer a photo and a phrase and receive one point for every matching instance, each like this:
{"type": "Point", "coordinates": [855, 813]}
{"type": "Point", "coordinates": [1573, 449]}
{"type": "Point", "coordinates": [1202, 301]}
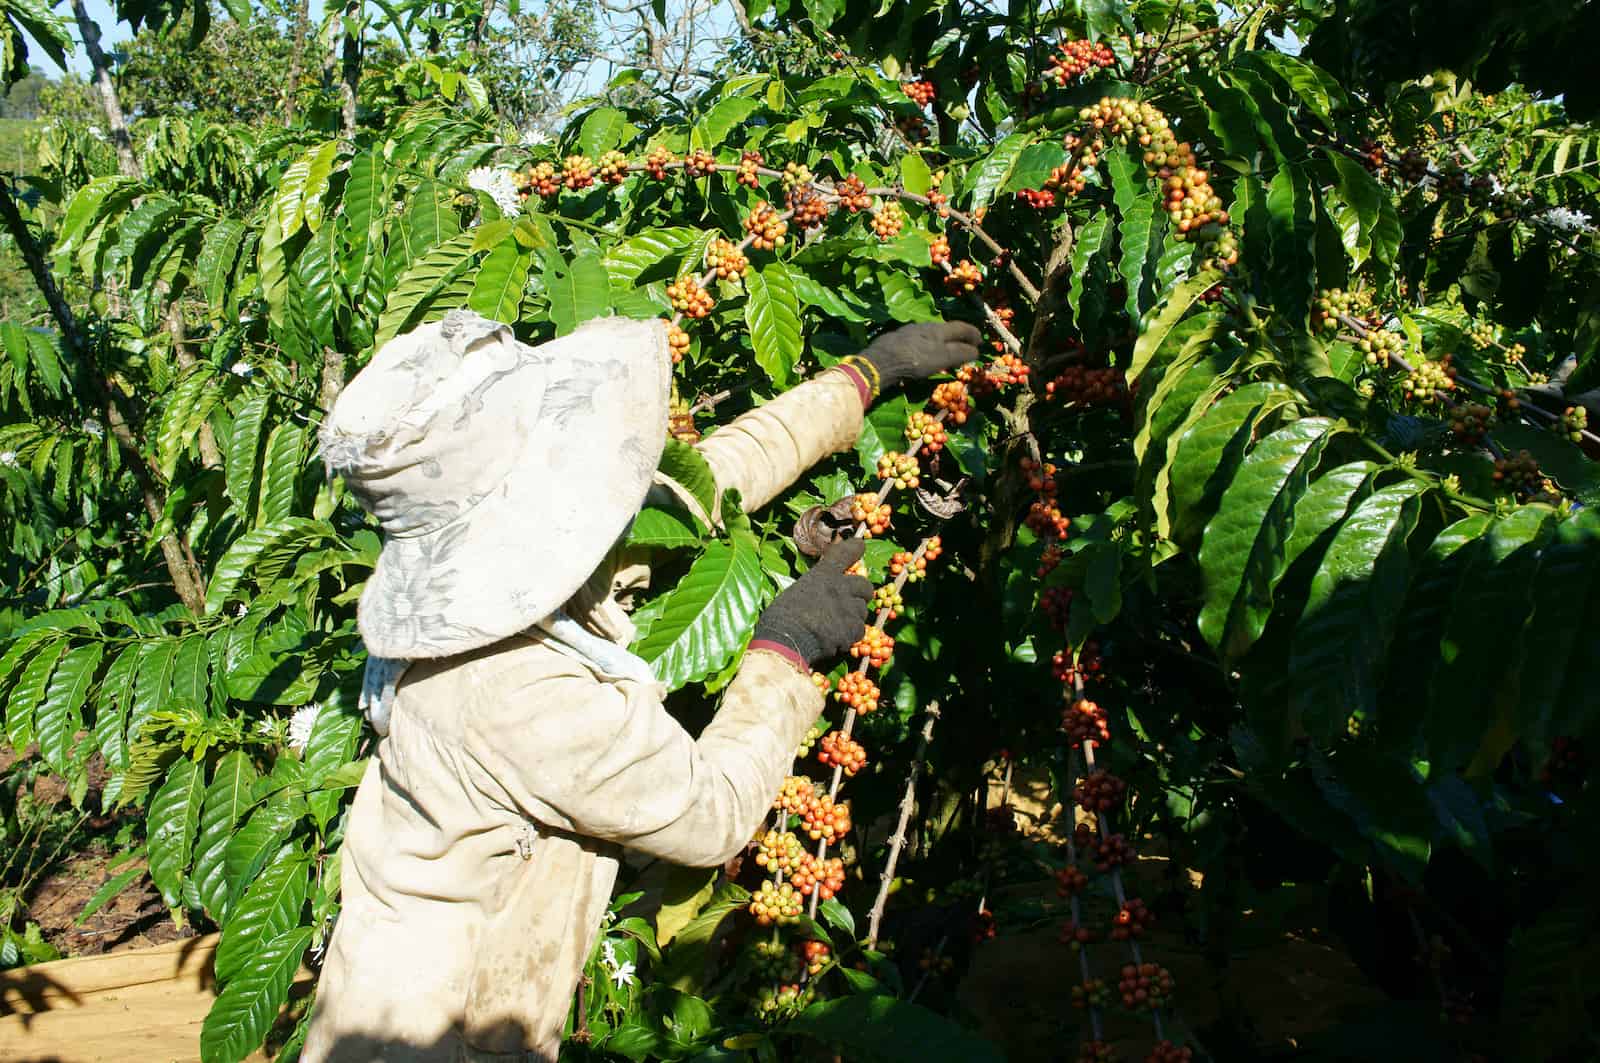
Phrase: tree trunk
{"type": "Point", "coordinates": [181, 566]}
{"type": "Point", "coordinates": [350, 76]}
{"type": "Point", "coordinates": [302, 22]}
{"type": "Point", "coordinates": [116, 122]}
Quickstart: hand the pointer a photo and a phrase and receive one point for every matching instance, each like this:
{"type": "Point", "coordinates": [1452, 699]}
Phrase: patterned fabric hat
{"type": "Point", "coordinates": [500, 473]}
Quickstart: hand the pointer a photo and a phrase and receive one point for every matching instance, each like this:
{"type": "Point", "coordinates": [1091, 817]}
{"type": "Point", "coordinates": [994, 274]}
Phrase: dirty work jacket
{"type": "Point", "coordinates": [482, 843]}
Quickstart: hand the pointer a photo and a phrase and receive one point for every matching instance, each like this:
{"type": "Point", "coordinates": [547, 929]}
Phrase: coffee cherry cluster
{"type": "Point", "coordinates": [900, 469]}
{"type": "Point", "coordinates": [1084, 386]}
{"type": "Point", "coordinates": [810, 206]}
{"type": "Point", "coordinates": [795, 795]}
{"type": "Point", "coordinates": [1482, 335]}
{"type": "Point", "coordinates": [875, 646]}
{"type": "Point", "coordinates": [888, 221]}
{"type": "Point", "coordinates": [749, 172]}
{"type": "Point", "coordinates": [1372, 155]}
{"type": "Point", "coordinates": [907, 564]}
{"type": "Point", "coordinates": [913, 127]}
{"type": "Point", "coordinates": [840, 750]}
{"type": "Point", "coordinates": [766, 226]}
{"type": "Point", "coordinates": [613, 167]}
{"type": "Point", "coordinates": [932, 548]}
{"type": "Point", "coordinates": [776, 902]}
{"type": "Point", "coordinates": [939, 249]}
{"type": "Point", "coordinates": [775, 1002]}
{"type": "Point", "coordinates": [699, 163]}
{"type": "Point", "coordinates": [858, 691]}
{"type": "Point", "coordinates": [1076, 936]}
{"type": "Point", "coordinates": [816, 956]}
{"type": "Point", "coordinates": [542, 179]}
{"type": "Point", "coordinates": [1565, 764]}
{"type": "Point", "coordinates": [1330, 303]}
{"type": "Point", "coordinates": [1074, 58]}
{"type": "Point", "coordinates": [779, 852]}
{"type": "Point", "coordinates": [1091, 993]}
{"type": "Point", "coordinates": [1046, 520]}
{"type": "Point", "coordinates": [852, 194]}
{"type": "Point", "coordinates": [726, 259]}
{"type": "Point", "coordinates": [822, 877]}
{"type": "Point", "coordinates": [825, 819]}
{"type": "Point", "coordinates": [1470, 422]}
{"type": "Point", "coordinates": [1037, 198]}
{"type": "Point", "coordinates": [1167, 1052]}
{"type": "Point", "coordinates": [1514, 354]}
{"type": "Point", "coordinates": [1049, 558]}
{"type": "Point", "coordinates": [887, 599]}
{"type": "Point", "coordinates": [1085, 722]}
{"type": "Point", "coordinates": [1413, 166]}
{"type": "Point", "coordinates": [1144, 985]}
{"type": "Point", "coordinates": [922, 93]}
{"type": "Point", "coordinates": [677, 342]}
{"type": "Point", "coordinates": [1071, 881]}
{"type": "Point", "coordinates": [1108, 851]}
{"type": "Point", "coordinates": [1519, 474]}
{"type": "Point", "coordinates": [924, 430]}
{"type": "Point", "coordinates": [1087, 667]}
{"type": "Point", "coordinates": [935, 963]}
{"type": "Point", "coordinates": [952, 397]}
{"type": "Point", "coordinates": [657, 162]}
{"type": "Point", "coordinates": [1377, 345]}
{"type": "Point", "coordinates": [1056, 604]}
{"type": "Point", "coordinates": [1096, 1052]}
{"type": "Point", "coordinates": [1428, 381]}
{"type": "Point", "coordinates": [1131, 920]}
{"type": "Point", "coordinates": [1099, 791]}
{"type": "Point", "coordinates": [577, 172]}
{"type": "Point", "coordinates": [773, 961]}
{"type": "Point", "coordinates": [982, 927]}
{"type": "Point", "coordinates": [1005, 371]}
{"type": "Point", "coordinates": [866, 509]}
{"type": "Point", "coordinates": [964, 278]}
{"type": "Point", "coordinates": [1574, 420]}
{"type": "Point", "coordinates": [1192, 203]}
{"type": "Point", "coordinates": [688, 297]}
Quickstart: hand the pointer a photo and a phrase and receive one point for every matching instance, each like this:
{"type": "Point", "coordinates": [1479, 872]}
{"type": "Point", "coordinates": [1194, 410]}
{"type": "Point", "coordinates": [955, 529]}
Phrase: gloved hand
{"type": "Point", "coordinates": [823, 612]}
{"type": "Point", "coordinates": [914, 352]}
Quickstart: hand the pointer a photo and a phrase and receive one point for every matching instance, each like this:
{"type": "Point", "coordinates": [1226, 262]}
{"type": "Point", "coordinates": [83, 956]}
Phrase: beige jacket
{"type": "Point", "coordinates": [482, 844]}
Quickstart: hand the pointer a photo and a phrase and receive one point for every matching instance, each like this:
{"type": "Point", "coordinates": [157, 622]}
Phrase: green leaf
{"type": "Point", "coordinates": [28, 691]}
{"type": "Point", "coordinates": [686, 892]}
{"type": "Point", "coordinates": [1210, 451]}
{"type": "Point", "coordinates": [1293, 230]}
{"type": "Point", "coordinates": [1176, 305]}
{"type": "Point", "coordinates": [882, 430]}
{"type": "Point", "coordinates": [226, 801]}
{"type": "Point", "coordinates": [664, 529]}
{"type": "Point", "coordinates": [1035, 165]}
{"type": "Point", "coordinates": [250, 848]}
{"type": "Point", "coordinates": [218, 255]}
{"type": "Point", "coordinates": [906, 299]}
{"type": "Point", "coordinates": [421, 284]}
{"type": "Point", "coordinates": [603, 129]}
{"type": "Point", "coordinates": [1093, 238]}
{"type": "Point", "coordinates": [112, 706]}
{"type": "Point", "coordinates": [691, 946]}
{"type": "Point", "coordinates": [718, 122]}
{"type": "Point", "coordinates": [171, 823]}
{"type": "Point", "coordinates": [497, 289]}
{"type": "Point", "coordinates": [709, 614]}
{"type": "Point", "coordinates": [239, 457]}
{"type": "Point", "coordinates": [332, 744]}
{"type": "Point", "coordinates": [60, 715]}
{"type": "Point", "coordinates": [109, 889]}
{"type": "Point", "coordinates": [1556, 665]}
{"type": "Point", "coordinates": [578, 291]}
{"type": "Point", "coordinates": [1137, 210]}
{"type": "Point", "coordinates": [238, 1022]}
{"type": "Point", "coordinates": [312, 207]}
{"type": "Point", "coordinates": [886, 1028]}
{"type": "Point", "coordinates": [280, 467]}
{"type": "Point", "coordinates": [1343, 634]}
{"type": "Point", "coordinates": [153, 685]}
{"type": "Point", "coordinates": [988, 176]}
{"type": "Point", "coordinates": [625, 261]}
{"type": "Point", "coordinates": [1242, 555]}
{"type": "Point", "coordinates": [248, 549]}
{"type": "Point", "coordinates": [772, 312]}
{"type": "Point", "coordinates": [686, 467]}
{"type": "Point", "coordinates": [1325, 504]}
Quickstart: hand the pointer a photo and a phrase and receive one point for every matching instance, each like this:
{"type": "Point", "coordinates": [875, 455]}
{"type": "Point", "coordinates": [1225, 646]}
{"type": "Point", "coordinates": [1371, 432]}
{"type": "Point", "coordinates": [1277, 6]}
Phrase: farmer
{"type": "Point", "coordinates": [525, 744]}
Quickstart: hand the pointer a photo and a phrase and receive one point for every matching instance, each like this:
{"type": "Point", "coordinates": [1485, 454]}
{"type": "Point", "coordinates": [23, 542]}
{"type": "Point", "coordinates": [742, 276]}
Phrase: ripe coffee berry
{"type": "Point", "coordinates": [656, 163]}
{"type": "Point", "coordinates": [1167, 1052]}
{"type": "Point", "coordinates": [932, 548]}
{"type": "Point", "coordinates": [822, 877]}
{"type": "Point", "coordinates": [1088, 666]}
{"type": "Point", "coordinates": [809, 206]}
{"type": "Point", "coordinates": [795, 795]}
{"type": "Point", "coordinates": [908, 564]}
{"type": "Point", "coordinates": [1006, 370]}
{"type": "Point", "coordinates": [826, 820]}
{"type": "Point", "coordinates": [1049, 558]}
{"type": "Point", "coordinates": [939, 250]}
{"type": "Point", "coordinates": [982, 927]}
{"type": "Point", "coordinates": [749, 169]}
{"type": "Point", "coordinates": [700, 163]}
{"type": "Point", "coordinates": [858, 692]}
{"type": "Point", "coordinates": [852, 193]}
{"type": "Point", "coordinates": [1047, 521]}
{"type": "Point", "coordinates": [577, 172]}
{"type": "Point", "coordinates": [1037, 198]}
{"type": "Point", "coordinates": [1086, 386]}
{"type": "Point", "coordinates": [677, 342]}
{"type": "Point", "coordinates": [1070, 881]}
{"type": "Point", "coordinates": [924, 429]}
{"type": "Point", "coordinates": [964, 277]}
{"type": "Point", "coordinates": [1096, 1052]}
{"type": "Point", "coordinates": [1470, 422]}
{"type": "Point", "coordinates": [687, 296]}
{"type": "Point", "coordinates": [1131, 920]}
{"type": "Point", "coordinates": [766, 226]}
{"type": "Point", "coordinates": [887, 599]}
{"type": "Point", "coordinates": [543, 180]}
{"type": "Point", "coordinates": [1056, 604]}
{"type": "Point", "coordinates": [776, 903]}
{"type": "Point", "coordinates": [840, 750]}
{"type": "Point", "coordinates": [1076, 936]}
{"type": "Point", "coordinates": [1144, 985]}
{"type": "Point", "coordinates": [921, 93]}
{"type": "Point", "coordinates": [1085, 722]}
{"type": "Point", "coordinates": [902, 469]}
{"type": "Point", "coordinates": [888, 220]}
{"type": "Point", "coordinates": [1090, 993]}
{"type": "Point", "coordinates": [875, 646]}
{"type": "Point", "coordinates": [1110, 851]}
{"type": "Point", "coordinates": [779, 852]}
{"type": "Point", "coordinates": [1099, 791]}
{"type": "Point", "coordinates": [816, 956]}
{"type": "Point", "coordinates": [1074, 58]}
{"type": "Point", "coordinates": [725, 257]}
{"type": "Point", "coordinates": [866, 509]}
{"type": "Point", "coordinates": [1519, 474]}
{"type": "Point", "coordinates": [951, 396]}
{"type": "Point", "coordinates": [613, 168]}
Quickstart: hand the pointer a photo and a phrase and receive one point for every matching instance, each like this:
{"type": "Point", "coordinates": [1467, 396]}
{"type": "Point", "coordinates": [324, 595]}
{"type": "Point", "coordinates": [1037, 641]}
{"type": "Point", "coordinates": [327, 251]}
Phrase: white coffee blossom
{"type": "Point", "coordinates": [266, 727]}
{"type": "Point", "coordinates": [242, 369]}
{"type": "Point", "coordinates": [608, 953]}
{"type": "Point", "coordinates": [535, 137]}
{"type": "Point", "coordinates": [498, 186]}
{"type": "Point", "coordinates": [94, 428]}
{"type": "Point", "coordinates": [623, 975]}
{"type": "Point", "coordinates": [300, 725]}
{"type": "Point", "coordinates": [8, 458]}
{"type": "Point", "coordinates": [1564, 219]}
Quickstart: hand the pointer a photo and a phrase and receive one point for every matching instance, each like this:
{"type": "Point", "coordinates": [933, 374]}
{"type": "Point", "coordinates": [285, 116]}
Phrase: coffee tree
{"type": "Point", "coordinates": [1262, 535]}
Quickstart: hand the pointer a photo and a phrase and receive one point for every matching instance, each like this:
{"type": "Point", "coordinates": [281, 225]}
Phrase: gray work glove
{"type": "Point", "coordinates": [915, 352]}
{"type": "Point", "coordinates": [823, 612]}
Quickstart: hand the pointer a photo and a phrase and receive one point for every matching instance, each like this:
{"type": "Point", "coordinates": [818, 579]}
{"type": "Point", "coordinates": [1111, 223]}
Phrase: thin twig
{"type": "Point", "coordinates": [907, 801]}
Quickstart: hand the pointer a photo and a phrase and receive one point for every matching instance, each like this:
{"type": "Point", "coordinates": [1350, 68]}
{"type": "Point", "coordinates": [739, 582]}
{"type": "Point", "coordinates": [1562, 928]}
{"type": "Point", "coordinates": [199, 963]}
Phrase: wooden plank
{"type": "Point", "coordinates": [184, 960]}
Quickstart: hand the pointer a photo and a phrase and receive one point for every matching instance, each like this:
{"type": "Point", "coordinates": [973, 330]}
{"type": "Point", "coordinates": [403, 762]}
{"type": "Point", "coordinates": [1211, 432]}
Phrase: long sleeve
{"type": "Point", "coordinates": [761, 452]}
{"type": "Point", "coordinates": [607, 761]}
